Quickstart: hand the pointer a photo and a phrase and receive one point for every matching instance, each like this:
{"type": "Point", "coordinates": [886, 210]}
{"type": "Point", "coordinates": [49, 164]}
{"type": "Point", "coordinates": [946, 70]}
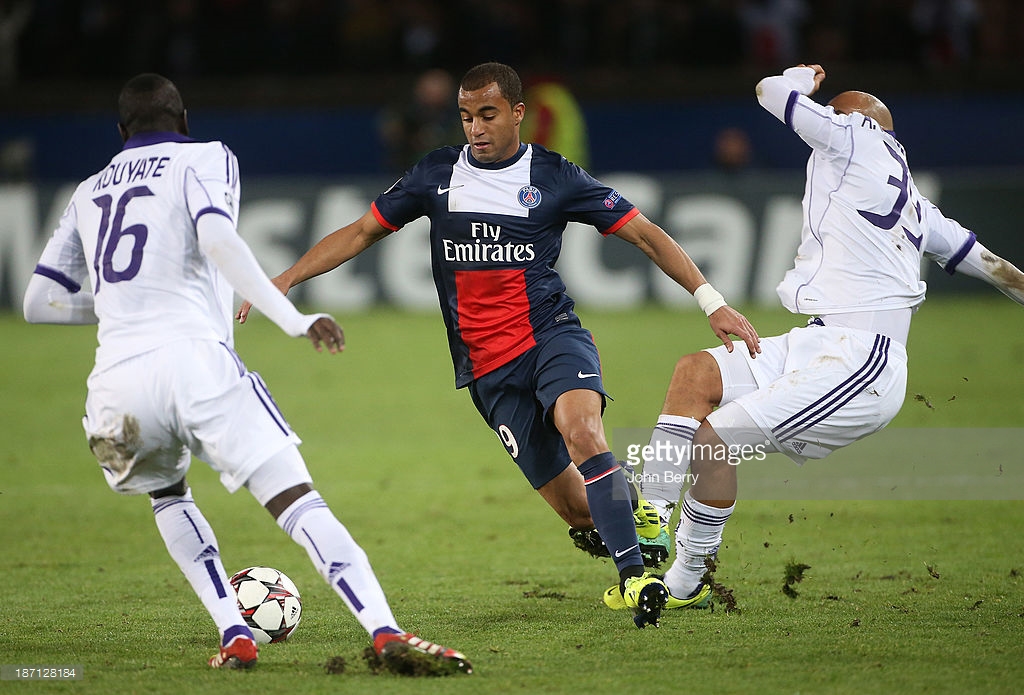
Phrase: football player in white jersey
{"type": "Point", "coordinates": [153, 234]}
{"type": "Point", "coordinates": [842, 377]}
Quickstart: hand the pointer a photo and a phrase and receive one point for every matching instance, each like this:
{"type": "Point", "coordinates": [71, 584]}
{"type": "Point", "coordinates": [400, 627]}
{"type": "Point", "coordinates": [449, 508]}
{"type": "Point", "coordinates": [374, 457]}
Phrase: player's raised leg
{"type": "Point", "coordinates": [283, 486]}
{"type": "Point", "coordinates": [693, 392]}
{"type": "Point", "coordinates": [193, 546]}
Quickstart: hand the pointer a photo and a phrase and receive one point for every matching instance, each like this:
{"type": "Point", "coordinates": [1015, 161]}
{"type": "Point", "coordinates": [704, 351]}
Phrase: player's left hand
{"type": "Point", "coordinates": [327, 332]}
{"type": "Point", "coordinates": [727, 321]}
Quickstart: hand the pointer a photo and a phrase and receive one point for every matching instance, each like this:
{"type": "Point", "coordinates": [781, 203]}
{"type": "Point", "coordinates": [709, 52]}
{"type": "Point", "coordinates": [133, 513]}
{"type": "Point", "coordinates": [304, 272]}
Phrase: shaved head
{"type": "Point", "coordinates": [862, 102]}
{"type": "Point", "coordinates": [150, 102]}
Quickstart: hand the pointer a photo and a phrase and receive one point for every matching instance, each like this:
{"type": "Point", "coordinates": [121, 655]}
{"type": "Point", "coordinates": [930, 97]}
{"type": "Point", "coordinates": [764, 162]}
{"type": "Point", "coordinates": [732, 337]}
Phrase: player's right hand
{"type": "Point", "coordinates": [279, 283]}
{"type": "Point", "coordinates": [727, 321]}
{"type": "Point", "coordinates": [327, 332]}
{"type": "Point", "coordinates": [819, 75]}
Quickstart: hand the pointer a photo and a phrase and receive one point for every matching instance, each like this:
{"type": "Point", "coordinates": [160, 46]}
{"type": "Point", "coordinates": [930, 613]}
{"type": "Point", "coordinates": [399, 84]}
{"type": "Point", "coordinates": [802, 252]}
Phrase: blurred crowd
{"type": "Point", "coordinates": [68, 39]}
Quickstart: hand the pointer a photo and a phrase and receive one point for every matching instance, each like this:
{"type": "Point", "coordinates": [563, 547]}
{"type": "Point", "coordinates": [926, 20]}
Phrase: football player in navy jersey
{"type": "Point", "coordinates": [497, 209]}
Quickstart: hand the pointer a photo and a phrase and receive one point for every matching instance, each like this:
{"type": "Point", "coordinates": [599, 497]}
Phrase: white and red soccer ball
{"type": "Point", "coordinates": [269, 602]}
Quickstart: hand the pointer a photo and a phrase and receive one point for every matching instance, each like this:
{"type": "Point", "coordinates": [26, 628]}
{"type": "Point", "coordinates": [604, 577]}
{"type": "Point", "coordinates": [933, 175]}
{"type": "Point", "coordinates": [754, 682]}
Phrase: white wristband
{"type": "Point", "coordinates": [709, 299]}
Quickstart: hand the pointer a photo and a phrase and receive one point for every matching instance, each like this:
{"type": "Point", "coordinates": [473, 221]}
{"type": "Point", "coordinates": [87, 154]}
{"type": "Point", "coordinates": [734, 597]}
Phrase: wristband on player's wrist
{"type": "Point", "coordinates": [709, 299]}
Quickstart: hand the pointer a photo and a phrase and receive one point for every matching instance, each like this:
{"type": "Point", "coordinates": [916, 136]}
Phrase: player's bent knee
{"type": "Point", "coordinates": [696, 386]}
{"type": "Point", "coordinates": [584, 442]}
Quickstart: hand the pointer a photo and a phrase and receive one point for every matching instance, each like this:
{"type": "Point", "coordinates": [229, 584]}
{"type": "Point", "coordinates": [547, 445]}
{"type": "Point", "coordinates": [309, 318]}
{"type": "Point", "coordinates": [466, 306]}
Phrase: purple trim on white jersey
{"type": "Point", "coordinates": [154, 138]}
{"type": "Point", "coordinates": [230, 166]}
{"type": "Point", "coordinates": [790, 104]}
{"type": "Point", "coordinates": [58, 277]}
{"type": "Point", "coordinates": [961, 254]}
{"type": "Point", "coordinates": [812, 225]}
{"type": "Point", "coordinates": [839, 396]}
{"type": "Point", "coordinates": [210, 209]}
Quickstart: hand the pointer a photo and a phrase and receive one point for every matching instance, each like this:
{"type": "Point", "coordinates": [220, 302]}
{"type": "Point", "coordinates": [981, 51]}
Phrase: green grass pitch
{"type": "Point", "coordinates": [901, 596]}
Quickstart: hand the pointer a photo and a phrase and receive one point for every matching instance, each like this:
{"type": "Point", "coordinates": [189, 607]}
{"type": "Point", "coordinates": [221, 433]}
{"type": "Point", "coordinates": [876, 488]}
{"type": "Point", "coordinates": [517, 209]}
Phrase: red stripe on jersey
{"type": "Point", "coordinates": [380, 218]}
{"type": "Point", "coordinates": [622, 221]}
{"type": "Point", "coordinates": [494, 316]}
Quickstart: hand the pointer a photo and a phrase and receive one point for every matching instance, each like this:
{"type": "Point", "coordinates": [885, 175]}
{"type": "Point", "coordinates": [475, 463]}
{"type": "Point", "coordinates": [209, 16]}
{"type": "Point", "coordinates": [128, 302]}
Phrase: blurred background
{"type": "Point", "coordinates": [327, 101]}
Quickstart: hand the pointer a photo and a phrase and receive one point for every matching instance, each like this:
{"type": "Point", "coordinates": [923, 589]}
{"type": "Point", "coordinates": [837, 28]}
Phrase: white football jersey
{"type": "Point", "coordinates": [866, 226]}
{"type": "Point", "coordinates": [131, 228]}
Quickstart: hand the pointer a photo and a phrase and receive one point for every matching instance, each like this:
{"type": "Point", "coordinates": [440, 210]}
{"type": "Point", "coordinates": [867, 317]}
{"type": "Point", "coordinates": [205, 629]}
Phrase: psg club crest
{"type": "Point", "coordinates": [529, 197]}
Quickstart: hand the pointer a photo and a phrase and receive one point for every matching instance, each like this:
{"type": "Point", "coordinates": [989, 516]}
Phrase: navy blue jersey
{"type": "Point", "coordinates": [495, 234]}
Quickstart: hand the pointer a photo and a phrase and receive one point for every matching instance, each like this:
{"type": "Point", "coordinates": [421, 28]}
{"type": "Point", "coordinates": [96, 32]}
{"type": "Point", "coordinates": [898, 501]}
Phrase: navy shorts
{"type": "Point", "coordinates": [516, 398]}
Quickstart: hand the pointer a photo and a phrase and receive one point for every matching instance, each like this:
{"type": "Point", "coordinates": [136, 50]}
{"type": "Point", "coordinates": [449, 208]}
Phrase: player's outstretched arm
{"type": "Point", "coordinates": [328, 253]}
{"type": "Point", "coordinates": [773, 92]}
{"type": "Point", "coordinates": [998, 272]}
{"type": "Point", "coordinates": [677, 264]}
{"type": "Point", "coordinates": [219, 241]}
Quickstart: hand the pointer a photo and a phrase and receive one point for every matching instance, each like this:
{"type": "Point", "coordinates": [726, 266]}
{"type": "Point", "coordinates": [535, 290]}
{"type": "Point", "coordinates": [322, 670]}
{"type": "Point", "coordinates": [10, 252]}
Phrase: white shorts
{"type": "Point", "coordinates": [146, 415]}
{"type": "Point", "coordinates": [811, 391]}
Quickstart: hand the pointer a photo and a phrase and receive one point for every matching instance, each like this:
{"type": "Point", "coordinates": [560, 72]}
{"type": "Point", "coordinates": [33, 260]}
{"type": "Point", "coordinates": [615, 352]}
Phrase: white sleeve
{"type": "Point", "coordinates": [785, 97]}
{"type": "Point", "coordinates": [56, 293]}
{"type": "Point", "coordinates": [219, 241]}
{"type": "Point", "coordinates": [48, 300]}
{"type": "Point", "coordinates": [958, 250]}
{"type": "Point", "coordinates": [979, 262]}
{"type": "Point", "coordinates": [778, 93]}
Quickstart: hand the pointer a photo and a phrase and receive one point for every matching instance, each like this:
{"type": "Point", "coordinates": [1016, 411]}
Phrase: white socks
{"type": "Point", "coordinates": [667, 470]}
{"type": "Point", "coordinates": [338, 559]}
{"type": "Point", "coordinates": [190, 541]}
{"type": "Point", "coordinates": [699, 535]}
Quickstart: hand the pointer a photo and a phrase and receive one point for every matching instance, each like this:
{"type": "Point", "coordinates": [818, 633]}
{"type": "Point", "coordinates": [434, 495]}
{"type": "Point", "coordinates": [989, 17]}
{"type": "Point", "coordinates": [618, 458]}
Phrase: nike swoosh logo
{"type": "Point", "coordinates": [581, 375]}
{"type": "Point", "coordinates": [442, 191]}
{"type": "Point", "coordinates": [620, 553]}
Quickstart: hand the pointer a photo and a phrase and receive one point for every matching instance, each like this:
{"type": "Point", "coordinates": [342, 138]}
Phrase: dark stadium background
{"type": "Point", "coordinates": [297, 89]}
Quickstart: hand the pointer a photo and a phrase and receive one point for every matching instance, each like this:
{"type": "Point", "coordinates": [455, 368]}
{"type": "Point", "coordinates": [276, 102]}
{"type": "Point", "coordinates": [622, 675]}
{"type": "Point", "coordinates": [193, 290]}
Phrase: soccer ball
{"type": "Point", "coordinates": [269, 602]}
